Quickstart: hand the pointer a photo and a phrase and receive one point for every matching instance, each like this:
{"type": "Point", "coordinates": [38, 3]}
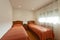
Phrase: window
{"type": "Point", "coordinates": [53, 20]}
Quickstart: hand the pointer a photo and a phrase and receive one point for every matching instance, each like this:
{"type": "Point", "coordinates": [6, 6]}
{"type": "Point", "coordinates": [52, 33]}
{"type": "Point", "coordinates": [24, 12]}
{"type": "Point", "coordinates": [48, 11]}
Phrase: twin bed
{"type": "Point", "coordinates": [17, 32]}
{"type": "Point", "coordinates": [42, 32]}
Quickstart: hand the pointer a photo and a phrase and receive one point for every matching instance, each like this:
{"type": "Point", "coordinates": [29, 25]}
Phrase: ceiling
{"type": "Point", "coordinates": [29, 4]}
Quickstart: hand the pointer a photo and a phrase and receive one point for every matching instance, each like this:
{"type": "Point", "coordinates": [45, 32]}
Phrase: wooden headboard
{"type": "Point", "coordinates": [17, 22]}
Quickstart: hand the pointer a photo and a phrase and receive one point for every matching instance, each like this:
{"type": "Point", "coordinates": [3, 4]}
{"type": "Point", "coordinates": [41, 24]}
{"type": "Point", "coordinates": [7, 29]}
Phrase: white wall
{"type": "Point", "coordinates": [59, 21]}
{"type": "Point", "coordinates": [47, 11]}
{"type": "Point", "coordinates": [5, 16]}
{"type": "Point", "coordinates": [22, 15]}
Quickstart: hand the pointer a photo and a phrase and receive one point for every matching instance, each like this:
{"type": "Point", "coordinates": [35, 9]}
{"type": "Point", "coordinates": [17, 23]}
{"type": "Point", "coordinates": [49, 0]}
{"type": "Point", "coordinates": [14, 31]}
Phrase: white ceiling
{"type": "Point", "coordinates": [29, 4]}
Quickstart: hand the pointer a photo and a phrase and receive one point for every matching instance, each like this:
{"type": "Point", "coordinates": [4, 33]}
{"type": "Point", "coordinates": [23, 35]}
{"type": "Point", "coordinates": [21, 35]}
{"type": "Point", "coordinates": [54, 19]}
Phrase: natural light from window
{"type": "Point", "coordinates": [53, 20]}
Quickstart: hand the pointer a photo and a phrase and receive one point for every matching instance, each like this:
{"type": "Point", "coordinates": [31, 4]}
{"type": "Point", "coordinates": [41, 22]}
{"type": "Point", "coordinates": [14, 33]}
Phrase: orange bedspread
{"type": "Point", "coordinates": [43, 33]}
{"type": "Point", "coordinates": [16, 33]}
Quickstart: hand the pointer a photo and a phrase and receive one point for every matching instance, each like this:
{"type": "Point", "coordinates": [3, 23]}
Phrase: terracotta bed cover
{"type": "Point", "coordinates": [16, 33]}
{"type": "Point", "coordinates": [43, 33]}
